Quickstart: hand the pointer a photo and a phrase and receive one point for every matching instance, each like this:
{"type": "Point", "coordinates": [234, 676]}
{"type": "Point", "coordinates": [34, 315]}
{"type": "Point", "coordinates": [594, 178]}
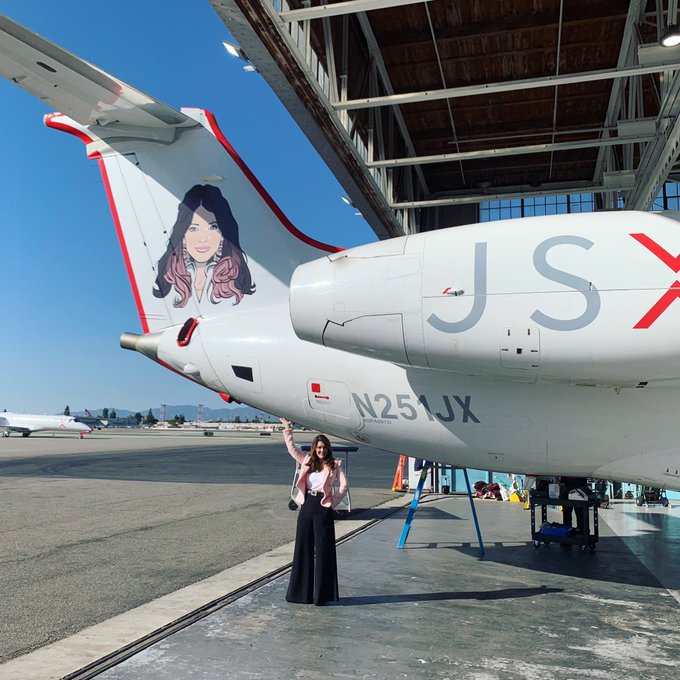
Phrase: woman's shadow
{"type": "Point", "coordinates": [504, 594]}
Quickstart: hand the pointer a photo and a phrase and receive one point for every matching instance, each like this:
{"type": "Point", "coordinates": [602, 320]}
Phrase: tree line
{"type": "Point", "coordinates": [137, 418]}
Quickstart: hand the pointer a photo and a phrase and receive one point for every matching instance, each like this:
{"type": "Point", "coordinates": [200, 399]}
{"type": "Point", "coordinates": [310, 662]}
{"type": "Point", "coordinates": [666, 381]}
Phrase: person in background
{"type": "Point", "coordinates": [571, 483]}
{"type": "Point", "coordinates": [314, 576]}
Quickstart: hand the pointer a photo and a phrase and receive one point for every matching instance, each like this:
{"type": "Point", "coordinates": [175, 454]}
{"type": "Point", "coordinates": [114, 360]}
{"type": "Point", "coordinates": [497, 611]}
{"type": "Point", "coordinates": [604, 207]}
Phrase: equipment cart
{"type": "Point", "coordinates": [649, 495]}
{"type": "Point", "coordinates": [550, 533]}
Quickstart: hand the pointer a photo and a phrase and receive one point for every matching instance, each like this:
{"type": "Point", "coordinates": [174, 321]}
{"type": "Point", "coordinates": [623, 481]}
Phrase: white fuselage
{"type": "Point", "coordinates": [594, 392]}
{"type": "Point", "coordinates": [26, 423]}
{"type": "Point", "coordinates": [477, 422]}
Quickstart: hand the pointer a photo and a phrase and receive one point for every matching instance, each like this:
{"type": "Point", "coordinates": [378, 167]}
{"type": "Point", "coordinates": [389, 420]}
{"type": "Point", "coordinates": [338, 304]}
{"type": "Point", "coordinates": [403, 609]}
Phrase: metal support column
{"type": "Point", "coordinates": [416, 499]}
{"type": "Point", "coordinates": [414, 505]}
{"type": "Point", "coordinates": [474, 512]}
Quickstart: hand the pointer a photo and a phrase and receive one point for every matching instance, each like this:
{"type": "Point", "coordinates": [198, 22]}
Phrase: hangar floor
{"type": "Point", "coordinates": [436, 610]}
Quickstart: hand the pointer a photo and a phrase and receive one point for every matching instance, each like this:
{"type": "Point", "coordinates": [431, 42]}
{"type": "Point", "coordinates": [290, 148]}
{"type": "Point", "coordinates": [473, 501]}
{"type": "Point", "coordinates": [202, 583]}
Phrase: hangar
{"type": "Point", "coordinates": [438, 113]}
{"type": "Point", "coordinates": [416, 159]}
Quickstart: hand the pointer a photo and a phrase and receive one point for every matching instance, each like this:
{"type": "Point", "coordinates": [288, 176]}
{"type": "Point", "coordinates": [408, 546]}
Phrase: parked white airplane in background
{"type": "Point", "coordinates": [546, 345]}
{"type": "Point", "coordinates": [27, 423]}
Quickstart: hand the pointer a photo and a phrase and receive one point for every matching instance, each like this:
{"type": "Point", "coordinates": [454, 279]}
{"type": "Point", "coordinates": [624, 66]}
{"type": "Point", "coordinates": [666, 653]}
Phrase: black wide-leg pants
{"type": "Point", "coordinates": [314, 580]}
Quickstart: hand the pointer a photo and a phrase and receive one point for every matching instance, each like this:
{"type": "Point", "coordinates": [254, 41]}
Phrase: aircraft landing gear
{"type": "Point", "coordinates": [5, 433]}
{"type": "Point", "coordinates": [25, 434]}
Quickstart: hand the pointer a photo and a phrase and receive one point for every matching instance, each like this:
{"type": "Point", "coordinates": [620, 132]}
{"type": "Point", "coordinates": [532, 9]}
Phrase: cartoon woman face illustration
{"type": "Point", "coordinates": [203, 238]}
{"type": "Point", "coordinates": [204, 257]}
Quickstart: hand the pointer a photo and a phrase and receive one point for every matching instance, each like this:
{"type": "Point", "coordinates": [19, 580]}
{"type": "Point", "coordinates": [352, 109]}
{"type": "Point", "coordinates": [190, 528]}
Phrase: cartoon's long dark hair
{"type": "Point", "coordinates": [230, 277]}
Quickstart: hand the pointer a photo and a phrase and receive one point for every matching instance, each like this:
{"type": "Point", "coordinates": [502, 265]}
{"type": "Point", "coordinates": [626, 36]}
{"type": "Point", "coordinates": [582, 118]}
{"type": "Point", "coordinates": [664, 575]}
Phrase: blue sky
{"type": "Point", "coordinates": [66, 296]}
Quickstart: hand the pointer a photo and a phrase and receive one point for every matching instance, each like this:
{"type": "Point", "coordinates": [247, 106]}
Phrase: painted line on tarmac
{"type": "Point", "coordinates": [104, 645]}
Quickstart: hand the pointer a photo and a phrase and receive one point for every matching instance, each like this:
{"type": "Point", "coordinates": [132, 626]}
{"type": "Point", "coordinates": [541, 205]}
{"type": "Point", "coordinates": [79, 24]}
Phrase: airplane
{"type": "Point", "coordinates": [542, 346]}
{"type": "Point", "coordinates": [27, 423]}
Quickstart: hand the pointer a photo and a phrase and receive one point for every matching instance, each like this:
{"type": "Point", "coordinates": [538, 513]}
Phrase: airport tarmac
{"type": "Point", "coordinates": [436, 609]}
{"type": "Point", "coordinates": [95, 527]}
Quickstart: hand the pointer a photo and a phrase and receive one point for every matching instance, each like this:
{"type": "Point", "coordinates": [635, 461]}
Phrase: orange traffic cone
{"type": "Point", "coordinates": [398, 483]}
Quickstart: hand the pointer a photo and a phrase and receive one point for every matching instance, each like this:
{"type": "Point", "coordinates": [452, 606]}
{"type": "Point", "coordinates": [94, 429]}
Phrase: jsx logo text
{"type": "Point", "coordinates": [586, 288]}
{"type": "Point", "coordinates": [673, 292]}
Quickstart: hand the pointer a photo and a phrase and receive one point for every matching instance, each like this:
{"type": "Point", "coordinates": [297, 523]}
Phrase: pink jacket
{"type": "Point", "coordinates": [329, 499]}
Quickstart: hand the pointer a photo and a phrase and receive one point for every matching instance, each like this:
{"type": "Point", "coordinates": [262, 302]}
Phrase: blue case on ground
{"type": "Point", "coordinates": [559, 530]}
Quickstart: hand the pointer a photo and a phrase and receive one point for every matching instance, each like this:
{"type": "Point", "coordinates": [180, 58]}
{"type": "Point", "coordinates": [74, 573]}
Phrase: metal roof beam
{"type": "Point", "coordinates": [659, 158]}
{"type": "Point", "coordinates": [635, 10]}
{"type": "Point", "coordinates": [509, 86]}
{"type": "Point", "coordinates": [268, 42]}
{"type": "Point", "coordinates": [338, 8]}
{"type": "Point", "coordinates": [482, 198]}
{"type": "Point", "coordinates": [374, 51]}
{"type": "Point", "coordinates": [508, 151]}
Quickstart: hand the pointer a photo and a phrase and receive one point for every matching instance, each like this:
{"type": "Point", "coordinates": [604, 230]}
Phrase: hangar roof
{"type": "Point", "coordinates": [418, 106]}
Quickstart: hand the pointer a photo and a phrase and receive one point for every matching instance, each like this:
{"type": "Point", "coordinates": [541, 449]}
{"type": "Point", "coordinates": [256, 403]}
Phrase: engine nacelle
{"type": "Point", "coordinates": [579, 298]}
{"type": "Point", "coordinates": [357, 300]}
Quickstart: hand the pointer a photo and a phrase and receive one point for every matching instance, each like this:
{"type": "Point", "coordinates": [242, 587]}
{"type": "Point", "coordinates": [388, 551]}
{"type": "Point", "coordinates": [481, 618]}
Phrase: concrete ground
{"type": "Point", "coordinates": [96, 527]}
{"type": "Point", "coordinates": [436, 609]}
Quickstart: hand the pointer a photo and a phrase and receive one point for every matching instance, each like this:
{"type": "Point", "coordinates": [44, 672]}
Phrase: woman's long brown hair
{"type": "Point", "coordinates": [316, 465]}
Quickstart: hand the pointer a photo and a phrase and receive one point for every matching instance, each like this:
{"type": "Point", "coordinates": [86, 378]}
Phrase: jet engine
{"type": "Point", "coordinates": [366, 301]}
{"type": "Point", "coordinates": [541, 299]}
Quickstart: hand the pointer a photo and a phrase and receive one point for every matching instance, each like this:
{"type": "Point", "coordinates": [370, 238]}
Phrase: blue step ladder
{"type": "Point", "coordinates": [416, 499]}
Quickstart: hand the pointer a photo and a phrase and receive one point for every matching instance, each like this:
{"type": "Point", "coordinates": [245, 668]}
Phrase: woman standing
{"type": "Point", "coordinates": [315, 580]}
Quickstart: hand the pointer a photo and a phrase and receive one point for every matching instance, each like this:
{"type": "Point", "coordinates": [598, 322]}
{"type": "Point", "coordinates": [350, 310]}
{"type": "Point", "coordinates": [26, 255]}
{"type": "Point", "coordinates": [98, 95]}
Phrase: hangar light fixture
{"type": "Point", "coordinates": [671, 36]}
{"type": "Point", "coordinates": [235, 50]}
{"type": "Point", "coordinates": [350, 203]}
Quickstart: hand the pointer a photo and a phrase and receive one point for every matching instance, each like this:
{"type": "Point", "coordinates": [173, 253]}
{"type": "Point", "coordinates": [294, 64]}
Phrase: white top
{"type": "Point", "coordinates": [205, 293]}
{"type": "Point", "coordinates": [315, 481]}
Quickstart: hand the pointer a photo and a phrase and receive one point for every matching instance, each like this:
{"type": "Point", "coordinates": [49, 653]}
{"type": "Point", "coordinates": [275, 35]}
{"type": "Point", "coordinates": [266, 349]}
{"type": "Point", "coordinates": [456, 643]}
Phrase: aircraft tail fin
{"type": "Point", "coordinates": [199, 234]}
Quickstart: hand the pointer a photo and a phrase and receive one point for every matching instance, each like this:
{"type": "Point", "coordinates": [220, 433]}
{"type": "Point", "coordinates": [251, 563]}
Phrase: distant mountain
{"type": "Point", "coordinates": [190, 412]}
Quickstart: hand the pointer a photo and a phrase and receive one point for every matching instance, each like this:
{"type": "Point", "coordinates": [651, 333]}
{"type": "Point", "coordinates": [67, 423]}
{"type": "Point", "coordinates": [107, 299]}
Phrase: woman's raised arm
{"type": "Point", "coordinates": [294, 450]}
